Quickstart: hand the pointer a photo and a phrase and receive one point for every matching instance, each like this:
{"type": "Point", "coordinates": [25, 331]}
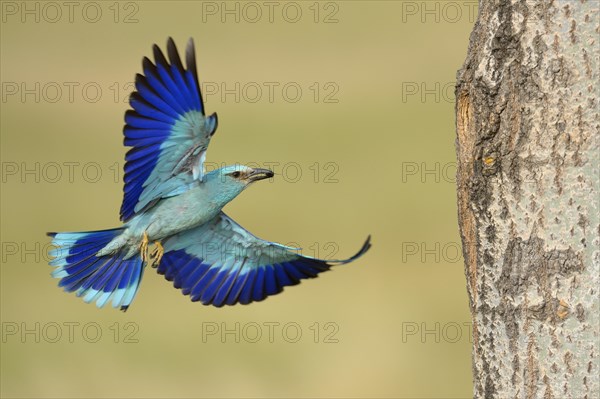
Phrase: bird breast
{"type": "Point", "coordinates": [177, 214]}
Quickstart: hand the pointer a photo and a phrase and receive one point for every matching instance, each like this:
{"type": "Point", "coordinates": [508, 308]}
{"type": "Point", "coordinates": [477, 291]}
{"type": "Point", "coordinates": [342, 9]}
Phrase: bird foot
{"type": "Point", "coordinates": [157, 254]}
{"type": "Point", "coordinates": [144, 247]}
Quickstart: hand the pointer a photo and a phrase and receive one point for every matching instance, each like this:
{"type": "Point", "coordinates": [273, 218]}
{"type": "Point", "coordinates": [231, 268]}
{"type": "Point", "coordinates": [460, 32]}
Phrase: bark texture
{"type": "Point", "coordinates": [528, 147]}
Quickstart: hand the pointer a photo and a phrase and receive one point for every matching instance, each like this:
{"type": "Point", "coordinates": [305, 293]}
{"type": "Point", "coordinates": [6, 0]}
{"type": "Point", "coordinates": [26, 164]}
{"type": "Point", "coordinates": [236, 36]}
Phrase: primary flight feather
{"type": "Point", "coordinates": [169, 201]}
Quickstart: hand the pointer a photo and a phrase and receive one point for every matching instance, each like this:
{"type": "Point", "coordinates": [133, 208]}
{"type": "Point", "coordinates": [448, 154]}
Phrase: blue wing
{"type": "Point", "coordinates": [167, 129]}
{"type": "Point", "coordinates": [220, 263]}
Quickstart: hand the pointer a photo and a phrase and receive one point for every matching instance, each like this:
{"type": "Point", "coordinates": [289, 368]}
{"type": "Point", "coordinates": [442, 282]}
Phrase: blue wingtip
{"type": "Point", "coordinates": [365, 247]}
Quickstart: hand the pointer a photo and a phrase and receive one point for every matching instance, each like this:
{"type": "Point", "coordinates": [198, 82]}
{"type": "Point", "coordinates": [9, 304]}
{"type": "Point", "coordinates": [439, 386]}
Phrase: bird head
{"type": "Point", "coordinates": [229, 181]}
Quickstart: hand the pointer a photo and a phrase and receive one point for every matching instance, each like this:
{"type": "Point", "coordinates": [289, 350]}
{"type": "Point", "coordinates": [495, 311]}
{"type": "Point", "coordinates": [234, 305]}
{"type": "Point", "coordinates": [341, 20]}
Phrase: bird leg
{"type": "Point", "coordinates": [157, 254]}
{"type": "Point", "coordinates": [144, 247]}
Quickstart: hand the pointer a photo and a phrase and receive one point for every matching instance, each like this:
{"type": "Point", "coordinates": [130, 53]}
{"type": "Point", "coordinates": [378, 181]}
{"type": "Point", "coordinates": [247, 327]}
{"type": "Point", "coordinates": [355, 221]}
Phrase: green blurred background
{"type": "Point", "coordinates": [379, 130]}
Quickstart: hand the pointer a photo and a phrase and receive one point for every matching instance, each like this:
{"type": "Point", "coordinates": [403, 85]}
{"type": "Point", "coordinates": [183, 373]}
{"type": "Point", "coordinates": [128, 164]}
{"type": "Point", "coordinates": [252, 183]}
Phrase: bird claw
{"type": "Point", "coordinates": [144, 247]}
{"type": "Point", "coordinates": [157, 254]}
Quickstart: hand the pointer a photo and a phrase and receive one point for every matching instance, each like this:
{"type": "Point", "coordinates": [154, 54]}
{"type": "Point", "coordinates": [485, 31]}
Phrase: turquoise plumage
{"type": "Point", "coordinates": [169, 201]}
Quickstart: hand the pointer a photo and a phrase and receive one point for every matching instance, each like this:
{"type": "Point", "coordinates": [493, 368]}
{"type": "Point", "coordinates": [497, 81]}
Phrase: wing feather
{"type": "Point", "coordinates": [220, 263]}
{"type": "Point", "coordinates": [167, 130]}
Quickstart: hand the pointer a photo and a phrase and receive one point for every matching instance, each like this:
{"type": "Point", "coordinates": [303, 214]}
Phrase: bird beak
{"type": "Point", "coordinates": [259, 174]}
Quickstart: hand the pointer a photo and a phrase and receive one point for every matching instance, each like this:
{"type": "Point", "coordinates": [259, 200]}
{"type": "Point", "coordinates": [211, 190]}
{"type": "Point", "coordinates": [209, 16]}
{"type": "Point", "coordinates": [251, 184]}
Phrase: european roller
{"type": "Point", "coordinates": [171, 203]}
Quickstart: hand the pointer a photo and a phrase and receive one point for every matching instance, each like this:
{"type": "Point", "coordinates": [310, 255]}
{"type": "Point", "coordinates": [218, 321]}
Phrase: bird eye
{"type": "Point", "coordinates": [236, 174]}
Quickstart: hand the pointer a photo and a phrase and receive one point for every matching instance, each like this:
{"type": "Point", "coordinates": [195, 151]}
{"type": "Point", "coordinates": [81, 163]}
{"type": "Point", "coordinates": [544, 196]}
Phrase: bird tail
{"type": "Point", "coordinates": [96, 278]}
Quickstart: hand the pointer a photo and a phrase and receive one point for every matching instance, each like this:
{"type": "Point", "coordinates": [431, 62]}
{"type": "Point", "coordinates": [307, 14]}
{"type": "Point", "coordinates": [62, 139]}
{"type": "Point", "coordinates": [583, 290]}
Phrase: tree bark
{"type": "Point", "coordinates": [528, 148]}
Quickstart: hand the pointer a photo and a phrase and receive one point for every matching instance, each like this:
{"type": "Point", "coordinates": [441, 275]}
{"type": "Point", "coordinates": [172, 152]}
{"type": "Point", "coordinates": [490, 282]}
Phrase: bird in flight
{"type": "Point", "coordinates": [171, 203]}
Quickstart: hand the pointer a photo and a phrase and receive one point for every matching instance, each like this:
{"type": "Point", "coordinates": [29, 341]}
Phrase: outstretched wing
{"type": "Point", "coordinates": [167, 129]}
{"type": "Point", "coordinates": [221, 263]}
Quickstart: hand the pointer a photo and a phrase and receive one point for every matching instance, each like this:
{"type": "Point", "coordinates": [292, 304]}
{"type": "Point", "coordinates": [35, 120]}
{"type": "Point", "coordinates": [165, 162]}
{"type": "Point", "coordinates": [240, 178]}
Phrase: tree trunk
{"type": "Point", "coordinates": [528, 147]}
